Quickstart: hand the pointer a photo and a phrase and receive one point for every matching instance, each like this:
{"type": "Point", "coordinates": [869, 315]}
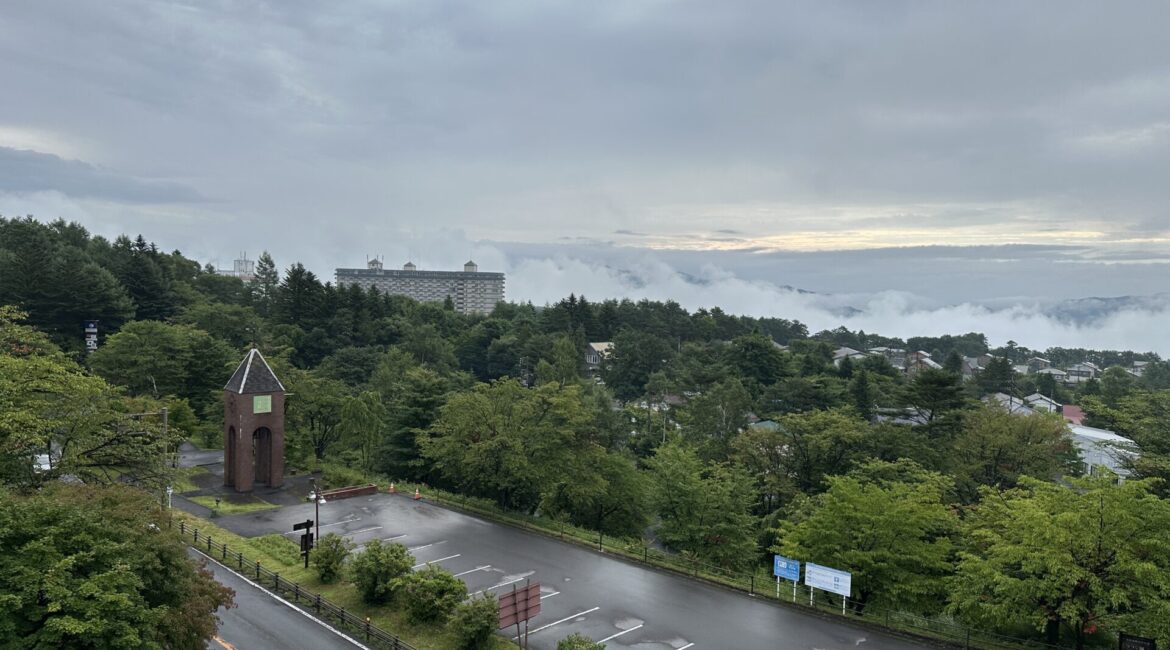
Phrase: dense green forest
{"type": "Point", "coordinates": [723, 437]}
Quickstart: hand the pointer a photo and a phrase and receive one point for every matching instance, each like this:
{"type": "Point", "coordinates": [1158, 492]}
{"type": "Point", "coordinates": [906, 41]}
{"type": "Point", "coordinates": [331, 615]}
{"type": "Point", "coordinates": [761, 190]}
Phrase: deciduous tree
{"type": "Point", "coordinates": [1085, 555]}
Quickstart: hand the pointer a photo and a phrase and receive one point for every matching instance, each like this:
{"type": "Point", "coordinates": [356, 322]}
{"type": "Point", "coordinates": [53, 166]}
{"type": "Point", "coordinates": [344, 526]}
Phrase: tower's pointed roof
{"type": "Point", "coordinates": [254, 376]}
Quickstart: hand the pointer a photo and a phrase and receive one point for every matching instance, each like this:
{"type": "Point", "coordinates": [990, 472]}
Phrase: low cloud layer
{"type": "Point", "coordinates": [888, 313]}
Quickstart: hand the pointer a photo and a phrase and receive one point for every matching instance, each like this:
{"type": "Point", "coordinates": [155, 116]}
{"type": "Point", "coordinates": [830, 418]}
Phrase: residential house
{"type": "Point", "coordinates": [918, 361]}
{"type": "Point", "coordinates": [1014, 405]}
{"type": "Point", "coordinates": [1073, 413]}
{"type": "Point", "coordinates": [1082, 372]}
{"type": "Point", "coordinates": [843, 353]}
{"type": "Point", "coordinates": [1036, 364]}
{"type": "Point", "coordinates": [1057, 374]}
{"type": "Point", "coordinates": [1101, 448]}
{"type": "Point", "coordinates": [1139, 368]}
{"type": "Point", "coordinates": [595, 354]}
{"type": "Point", "coordinates": [1042, 403]}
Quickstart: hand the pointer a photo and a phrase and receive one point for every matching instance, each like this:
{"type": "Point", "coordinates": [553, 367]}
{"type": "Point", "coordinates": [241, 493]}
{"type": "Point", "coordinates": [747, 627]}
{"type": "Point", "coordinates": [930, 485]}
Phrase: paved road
{"type": "Point", "coordinates": [582, 591]}
{"type": "Point", "coordinates": [261, 622]}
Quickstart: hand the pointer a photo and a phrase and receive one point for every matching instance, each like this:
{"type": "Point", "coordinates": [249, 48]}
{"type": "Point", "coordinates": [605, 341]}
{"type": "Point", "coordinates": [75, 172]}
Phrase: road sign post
{"type": "Point", "coordinates": [519, 606]}
{"type": "Point", "coordinates": [828, 579]}
{"type": "Point", "coordinates": [306, 538]}
{"type": "Point", "coordinates": [783, 567]}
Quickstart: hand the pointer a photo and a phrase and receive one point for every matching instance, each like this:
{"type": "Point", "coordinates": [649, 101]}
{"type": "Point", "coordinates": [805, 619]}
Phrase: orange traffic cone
{"type": "Point", "coordinates": [392, 490]}
{"type": "Point", "coordinates": [417, 495]}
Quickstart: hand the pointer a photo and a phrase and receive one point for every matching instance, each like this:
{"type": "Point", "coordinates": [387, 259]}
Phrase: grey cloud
{"type": "Point", "coordinates": [30, 171]}
{"type": "Point", "coordinates": [568, 121]}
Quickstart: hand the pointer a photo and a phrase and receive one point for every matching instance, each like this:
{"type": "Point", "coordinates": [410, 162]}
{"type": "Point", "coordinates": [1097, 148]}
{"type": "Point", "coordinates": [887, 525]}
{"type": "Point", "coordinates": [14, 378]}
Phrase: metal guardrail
{"type": "Point", "coordinates": [312, 602]}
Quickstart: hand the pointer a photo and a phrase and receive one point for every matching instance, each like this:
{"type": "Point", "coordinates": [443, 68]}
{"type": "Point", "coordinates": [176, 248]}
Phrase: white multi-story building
{"type": "Point", "coordinates": [242, 268]}
{"type": "Point", "coordinates": [471, 291]}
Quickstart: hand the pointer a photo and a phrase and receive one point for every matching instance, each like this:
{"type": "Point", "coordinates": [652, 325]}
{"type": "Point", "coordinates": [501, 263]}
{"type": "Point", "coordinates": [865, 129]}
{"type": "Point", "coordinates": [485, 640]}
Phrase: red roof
{"type": "Point", "coordinates": [1072, 413]}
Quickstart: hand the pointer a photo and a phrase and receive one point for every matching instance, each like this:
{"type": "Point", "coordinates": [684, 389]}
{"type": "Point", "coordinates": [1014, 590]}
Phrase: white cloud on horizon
{"type": "Point", "coordinates": [889, 313]}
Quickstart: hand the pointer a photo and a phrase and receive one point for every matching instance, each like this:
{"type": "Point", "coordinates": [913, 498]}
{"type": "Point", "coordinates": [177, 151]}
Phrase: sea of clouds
{"type": "Point", "coordinates": [890, 313]}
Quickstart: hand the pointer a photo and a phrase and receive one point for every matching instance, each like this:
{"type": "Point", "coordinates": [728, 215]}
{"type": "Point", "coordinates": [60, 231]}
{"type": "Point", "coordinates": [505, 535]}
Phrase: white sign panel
{"type": "Point", "coordinates": [824, 578]}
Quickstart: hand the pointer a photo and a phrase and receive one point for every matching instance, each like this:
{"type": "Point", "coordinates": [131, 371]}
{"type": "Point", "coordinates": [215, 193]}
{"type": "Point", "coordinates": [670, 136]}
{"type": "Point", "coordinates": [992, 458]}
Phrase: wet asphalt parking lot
{"type": "Point", "coordinates": [626, 605]}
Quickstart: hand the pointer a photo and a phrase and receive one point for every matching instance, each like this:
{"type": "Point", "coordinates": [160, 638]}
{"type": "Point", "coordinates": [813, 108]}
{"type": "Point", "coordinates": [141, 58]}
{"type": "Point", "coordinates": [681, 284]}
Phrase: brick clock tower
{"type": "Point", "coordinates": [253, 426]}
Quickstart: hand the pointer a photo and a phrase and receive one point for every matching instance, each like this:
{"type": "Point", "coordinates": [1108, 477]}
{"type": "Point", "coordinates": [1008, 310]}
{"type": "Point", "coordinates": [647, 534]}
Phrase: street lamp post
{"type": "Point", "coordinates": [318, 500]}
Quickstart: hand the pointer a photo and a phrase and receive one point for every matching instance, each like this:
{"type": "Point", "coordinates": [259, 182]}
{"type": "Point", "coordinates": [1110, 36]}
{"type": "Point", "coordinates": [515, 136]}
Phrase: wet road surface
{"type": "Point", "coordinates": [627, 605]}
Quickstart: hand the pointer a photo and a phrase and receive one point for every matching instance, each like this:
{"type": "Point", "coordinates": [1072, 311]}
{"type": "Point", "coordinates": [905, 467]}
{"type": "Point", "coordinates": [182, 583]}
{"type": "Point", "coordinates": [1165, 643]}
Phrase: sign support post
{"type": "Point", "coordinates": [783, 567]}
{"type": "Point", "coordinates": [831, 580]}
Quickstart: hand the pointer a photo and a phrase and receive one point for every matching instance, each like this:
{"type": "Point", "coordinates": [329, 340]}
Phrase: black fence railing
{"type": "Point", "coordinates": [757, 583]}
{"type": "Point", "coordinates": [309, 601]}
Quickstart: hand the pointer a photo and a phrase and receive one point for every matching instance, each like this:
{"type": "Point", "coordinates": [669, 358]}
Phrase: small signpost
{"type": "Point", "coordinates": [91, 335]}
{"type": "Point", "coordinates": [1131, 642]}
{"type": "Point", "coordinates": [518, 606]}
{"type": "Point", "coordinates": [306, 538]}
{"type": "Point", "coordinates": [831, 580]}
{"type": "Point", "coordinates": [783, 567]}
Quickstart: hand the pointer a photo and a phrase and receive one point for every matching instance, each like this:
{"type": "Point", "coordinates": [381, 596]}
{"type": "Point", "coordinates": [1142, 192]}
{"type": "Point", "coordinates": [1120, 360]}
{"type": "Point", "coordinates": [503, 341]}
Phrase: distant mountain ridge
{"type": "Point", "coordinates": [1094, 310]}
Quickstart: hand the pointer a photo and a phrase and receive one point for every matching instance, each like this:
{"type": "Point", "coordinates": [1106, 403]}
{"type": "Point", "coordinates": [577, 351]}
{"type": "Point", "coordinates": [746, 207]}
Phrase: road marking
{"type": "Point", "coordinates": [416, 548]}
{"type": "Point", "coordinates": [336, 523]}
{"type": "Point", "coordinates": [567, 618]}
{"type": "Point", "coordinates": [478, 568]}
{"type": "Point", "coordinates": [550, 595]}
{"type": "Point", "coordinates": [502, 584]}
{"type": "Point", "coordinates": [614, 636]}
{"type": "Point", "coordinates": [225, 644]}
{"type": "Point", "coordinates": [390, 539]}
{"type": "Point", "coordinates": [449, 557]}
{"type": "Point", "coordinates": [686, 646]}
{"type": "Point", "coordinates": [364, 530]}
{"type": "Point", "coordinates": [284, 602]}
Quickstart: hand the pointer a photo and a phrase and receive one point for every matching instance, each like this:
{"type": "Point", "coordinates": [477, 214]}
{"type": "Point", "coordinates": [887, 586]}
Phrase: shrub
{"type": "Point", "coordinates": [376, 569]}
{"type": "Point", "coordinates": [329, 556]}
{"type": "Point", "coordinates": [577, 641]}
{"type": "Point", "coordinates": [474, 621]}
{"type": "Point", "coordinates": [430, 594]}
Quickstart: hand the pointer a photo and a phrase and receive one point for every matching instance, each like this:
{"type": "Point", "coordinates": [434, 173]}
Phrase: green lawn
{"type": "Point", "coordinates": [238, 506]}
{"type": "Point", "coordinates": [185, 479]}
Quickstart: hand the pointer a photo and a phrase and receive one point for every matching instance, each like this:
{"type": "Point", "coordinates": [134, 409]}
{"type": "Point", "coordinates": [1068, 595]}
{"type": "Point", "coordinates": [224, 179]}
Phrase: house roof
{"type": "Point", "coordinates": [1037, 397]}
{"type": "Point", "coordinates": [1051, 371]}
{"type": "Point", "coordinates": [1014, 405]}
{"type": "Point", "coordinates": [254, 376]}
{"type": "Point", "coordinates": [843, 352]}
{"type": "Point", "coordinates": [1099, 435]}
{"type": "Point", "coordinates": [1073, 413]}
{"type": "Point", "coordinates": [601, 346]}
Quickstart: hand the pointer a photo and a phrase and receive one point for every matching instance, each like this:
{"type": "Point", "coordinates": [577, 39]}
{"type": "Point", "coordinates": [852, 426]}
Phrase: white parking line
{"type": "Point", "coordinates": [686, 646]}
{"type": "Point", "coordinates": [478, 568]}
{"type": "Point", "coordinates": [614, 636]}
{"type": "Point", "coordinates": [364, 530]}
{"type": "Point", "coordinates": [567, 618]}
{"type": "Point", "coordinates": [502, 584]}
{"type": "Point", "coordinates": [416, 548]}
{"type": "Point", "coordinates": [449, 557]}
{"type": "Point", "coordinates": [549, 595]}
{"type": "Point", "coordinates": [390, 539]}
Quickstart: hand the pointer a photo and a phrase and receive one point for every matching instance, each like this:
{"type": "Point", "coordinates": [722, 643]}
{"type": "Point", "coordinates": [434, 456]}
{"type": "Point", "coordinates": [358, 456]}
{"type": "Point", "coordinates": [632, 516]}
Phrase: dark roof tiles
{"type": "Point", "coordinates": [254, 376]}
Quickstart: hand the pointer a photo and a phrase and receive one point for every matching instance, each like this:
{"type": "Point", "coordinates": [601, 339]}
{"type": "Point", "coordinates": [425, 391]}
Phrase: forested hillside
{"type": "Point", "coordinates": [722, 437]}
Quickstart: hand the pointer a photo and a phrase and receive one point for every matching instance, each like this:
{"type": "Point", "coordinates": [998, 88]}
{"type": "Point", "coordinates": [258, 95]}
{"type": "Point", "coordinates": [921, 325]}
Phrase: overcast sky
{"type": "Point", "coordinates": [765, 142]}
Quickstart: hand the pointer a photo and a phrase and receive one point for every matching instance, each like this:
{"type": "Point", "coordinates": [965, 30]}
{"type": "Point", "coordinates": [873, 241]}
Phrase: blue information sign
{"type": "Point", "coordinates": [782, 567]}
